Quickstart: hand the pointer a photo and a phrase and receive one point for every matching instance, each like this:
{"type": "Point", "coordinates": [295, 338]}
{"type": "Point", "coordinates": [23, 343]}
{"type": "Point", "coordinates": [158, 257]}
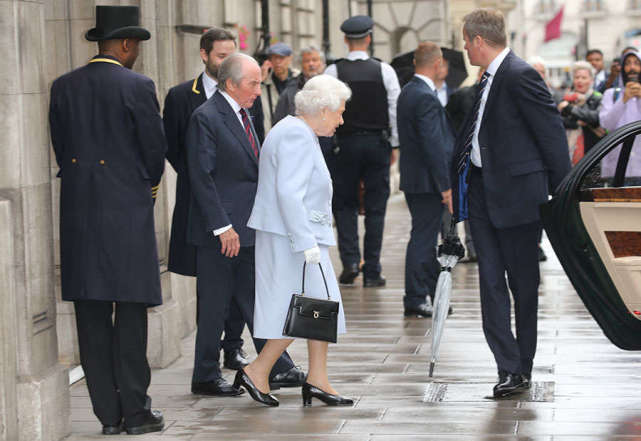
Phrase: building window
{"type": "Point", "coordinates": [592, 5]}
{"type": "Point", "coordinates": [545, 7]}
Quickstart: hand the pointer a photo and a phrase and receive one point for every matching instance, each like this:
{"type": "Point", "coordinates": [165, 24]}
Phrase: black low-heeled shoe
{"type": "Point", "coordinates": [310, 391]}
{"type": "Point", "coordinates": [242, 379]}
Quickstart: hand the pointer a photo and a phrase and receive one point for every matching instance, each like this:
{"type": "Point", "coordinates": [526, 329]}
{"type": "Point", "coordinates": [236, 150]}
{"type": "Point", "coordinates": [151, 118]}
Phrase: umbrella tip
{"type": "Point", "coordinates": [431, 368]}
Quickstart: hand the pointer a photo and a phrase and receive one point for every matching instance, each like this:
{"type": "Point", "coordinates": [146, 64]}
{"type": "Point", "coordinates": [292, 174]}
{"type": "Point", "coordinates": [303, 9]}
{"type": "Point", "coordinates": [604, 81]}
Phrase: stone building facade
{"type": "Point", "coordinates": [609, 25]}
{"type": "Point", "coordinates": [39, 41]}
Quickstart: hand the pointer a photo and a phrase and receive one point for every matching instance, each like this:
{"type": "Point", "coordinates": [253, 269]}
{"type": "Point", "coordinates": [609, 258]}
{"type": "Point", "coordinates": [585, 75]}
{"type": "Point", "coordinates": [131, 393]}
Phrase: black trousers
{"type": "Point", "coordinates": [511, 251]}
{"type": "Point", "coordinates": [113, 354]}
{"type": "Point", "coordinates": [421, 267]}
{"type": "Point", "coordinates": [366, 157]}
{"type": "Point", "coordinates": [220, 281]}
{"type": "Point", "coordinates": [234, 326]}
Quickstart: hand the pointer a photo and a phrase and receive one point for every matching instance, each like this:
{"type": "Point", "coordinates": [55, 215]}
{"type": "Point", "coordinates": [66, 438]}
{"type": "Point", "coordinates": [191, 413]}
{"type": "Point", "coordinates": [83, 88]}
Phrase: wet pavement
{"type": "Point", "coordinates": [584, 387]}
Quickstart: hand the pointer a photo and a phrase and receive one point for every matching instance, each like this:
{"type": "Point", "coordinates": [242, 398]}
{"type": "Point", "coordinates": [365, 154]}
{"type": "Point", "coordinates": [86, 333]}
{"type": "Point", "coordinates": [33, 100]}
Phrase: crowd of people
{"type": "Point", "coordinates": [266, 157]}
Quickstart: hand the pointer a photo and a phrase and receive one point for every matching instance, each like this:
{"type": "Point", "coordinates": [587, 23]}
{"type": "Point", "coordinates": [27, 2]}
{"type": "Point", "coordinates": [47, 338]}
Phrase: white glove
{"type": "Point", "coordinates": [312, 255]}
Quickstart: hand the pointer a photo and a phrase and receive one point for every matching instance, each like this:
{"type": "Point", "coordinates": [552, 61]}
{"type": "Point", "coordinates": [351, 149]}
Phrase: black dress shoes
{"type": "Point", "coordinates": [420, 311]}
{"type": "Point", "coordinates": [242, 379]}
{"type": "Point", "coordinates": [509, 384]}
{"type": "Point", "coordinates": [235, 359]}
{"type": "Point", "coordinates": [374, 282]}
{"type": "Point", "coordinates": [310, 392]}
{"type": "Point", "coordinates": [350, 272]}
{"type": "Point", "coordinates": [294, 377]}
{"type": "Point", "coordinates": [112, 430]}
{"type": "Point", "coordinates": [152, 422]}
{"type": "Point", "coordinates": [527, 381]}
{"type": "Point", "coordinates": [219, 387]}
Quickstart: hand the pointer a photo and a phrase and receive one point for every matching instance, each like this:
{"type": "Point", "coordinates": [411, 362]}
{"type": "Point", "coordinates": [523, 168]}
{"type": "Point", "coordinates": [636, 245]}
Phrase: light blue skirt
{"type": "Point", "coordinates": [279, 273]}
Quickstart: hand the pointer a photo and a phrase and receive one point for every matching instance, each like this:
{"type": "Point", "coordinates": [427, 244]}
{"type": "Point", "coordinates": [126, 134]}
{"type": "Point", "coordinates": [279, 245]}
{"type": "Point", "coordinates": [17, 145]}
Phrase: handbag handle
{"type": "Point", "coordinates": [302, 292]}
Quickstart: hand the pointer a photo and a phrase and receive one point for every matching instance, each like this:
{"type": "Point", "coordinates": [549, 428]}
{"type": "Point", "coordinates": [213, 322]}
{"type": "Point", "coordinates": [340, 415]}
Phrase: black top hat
{"type": "Point", "coordinates": [113, 22]}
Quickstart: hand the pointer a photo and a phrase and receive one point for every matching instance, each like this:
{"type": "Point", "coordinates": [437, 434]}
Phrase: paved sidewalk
{"type": "Point", "coordinates": [585, 388]}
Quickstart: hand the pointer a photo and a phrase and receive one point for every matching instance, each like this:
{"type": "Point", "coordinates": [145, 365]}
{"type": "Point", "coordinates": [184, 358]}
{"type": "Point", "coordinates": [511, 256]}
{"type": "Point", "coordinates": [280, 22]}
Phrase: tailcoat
{"type": "Point", "coordinates": [109, 143]}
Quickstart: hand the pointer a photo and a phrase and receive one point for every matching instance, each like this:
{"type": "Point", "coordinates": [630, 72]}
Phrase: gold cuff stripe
{"type": "Point", "coordinates": [193, 86]}
{"type": "Point", "coordinates": [106, 60]}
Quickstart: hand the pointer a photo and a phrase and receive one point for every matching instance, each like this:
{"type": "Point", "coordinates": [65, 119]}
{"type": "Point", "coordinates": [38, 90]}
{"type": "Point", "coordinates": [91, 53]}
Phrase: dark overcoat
{"type": "Point", "coordinates": [109, 143]}
{"type": "Point", "coordinates": [180, 103]}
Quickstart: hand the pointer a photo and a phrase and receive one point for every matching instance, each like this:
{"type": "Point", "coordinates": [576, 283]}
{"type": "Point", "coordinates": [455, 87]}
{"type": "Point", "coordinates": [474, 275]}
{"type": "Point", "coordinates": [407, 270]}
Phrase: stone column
{"type": "Point", "coordinates": [35, 386]}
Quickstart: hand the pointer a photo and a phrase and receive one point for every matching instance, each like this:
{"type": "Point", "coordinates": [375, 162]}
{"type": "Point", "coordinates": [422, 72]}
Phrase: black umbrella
{"type": "Point", "coordinates": [404, 66]}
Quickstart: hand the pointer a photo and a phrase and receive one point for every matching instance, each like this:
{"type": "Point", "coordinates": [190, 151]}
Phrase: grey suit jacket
{"type": "Point", "coordinates": [294, 196]}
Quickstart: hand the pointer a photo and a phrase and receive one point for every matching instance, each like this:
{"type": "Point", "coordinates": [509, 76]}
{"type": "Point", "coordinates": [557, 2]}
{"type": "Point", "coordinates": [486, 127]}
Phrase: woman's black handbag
{"type": "Point", "coordinates": [311, 318]}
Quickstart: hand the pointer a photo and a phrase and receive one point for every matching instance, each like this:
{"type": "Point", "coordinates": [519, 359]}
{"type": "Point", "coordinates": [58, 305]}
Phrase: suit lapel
{"type": "Point", "coordinates": [496, 84]}
{"type": "Point", "coordinates": [234, 125]}
{"type": "Point", "coordinates": [197, 94]}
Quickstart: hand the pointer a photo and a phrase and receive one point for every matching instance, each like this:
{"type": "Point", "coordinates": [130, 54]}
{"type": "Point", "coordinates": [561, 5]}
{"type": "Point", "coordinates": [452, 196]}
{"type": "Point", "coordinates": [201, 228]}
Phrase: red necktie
{"type": "Point", "coordinates": [248, 131]}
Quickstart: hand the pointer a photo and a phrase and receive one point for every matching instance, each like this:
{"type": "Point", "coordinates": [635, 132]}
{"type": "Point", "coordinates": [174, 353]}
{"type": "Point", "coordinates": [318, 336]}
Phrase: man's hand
{"type": "Point", "coordinates": [230, 243]}
{"type": "Point", "coordinates": [447, 200]}
{"type": "Point", "coordinates": [265, 69]}
{"type": "Point", "coordinates": [393, 157]}
{"type": "Point", "coordinates": [632, 89]}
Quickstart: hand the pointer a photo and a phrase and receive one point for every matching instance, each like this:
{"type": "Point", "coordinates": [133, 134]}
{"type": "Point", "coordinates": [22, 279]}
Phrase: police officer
{"type": "Point", "coordinates": [108, 139]}
{"type": "Point", "coordinates": [365, 143]}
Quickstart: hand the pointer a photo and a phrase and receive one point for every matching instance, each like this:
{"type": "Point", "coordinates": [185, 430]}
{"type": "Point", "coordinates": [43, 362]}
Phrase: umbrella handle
{"type": "Point", "coordinates": [452, 227]}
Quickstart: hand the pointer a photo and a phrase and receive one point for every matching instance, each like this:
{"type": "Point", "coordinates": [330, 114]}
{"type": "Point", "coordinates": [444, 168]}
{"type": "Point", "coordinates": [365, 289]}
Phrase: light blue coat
{"type": "Point", "coordinates": [294, 196]}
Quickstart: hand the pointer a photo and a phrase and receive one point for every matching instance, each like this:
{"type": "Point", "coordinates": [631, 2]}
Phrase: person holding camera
{"type": "Point", "coordinates": [620, 106]}
{"type": "Point", "coordinates": [580, 111]}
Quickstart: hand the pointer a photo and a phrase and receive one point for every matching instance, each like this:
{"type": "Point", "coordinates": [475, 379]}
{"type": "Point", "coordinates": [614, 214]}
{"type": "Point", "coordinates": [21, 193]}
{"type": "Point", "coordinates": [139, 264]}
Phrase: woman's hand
{"type": "Point", "coordinates": [313, 255]}
{"type": "Point", "coordinates": [562, 105]}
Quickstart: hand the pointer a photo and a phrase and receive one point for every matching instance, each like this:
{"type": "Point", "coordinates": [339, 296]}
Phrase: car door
{"type": "Point", "coordinates": [594, 225]}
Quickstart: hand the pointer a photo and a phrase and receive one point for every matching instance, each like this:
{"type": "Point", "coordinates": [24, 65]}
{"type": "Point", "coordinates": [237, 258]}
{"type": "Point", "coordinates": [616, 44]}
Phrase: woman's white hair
{"type": "Point", "coordinates": [582, 65]}
{"type": "Point", "coordinates": [319, 92]}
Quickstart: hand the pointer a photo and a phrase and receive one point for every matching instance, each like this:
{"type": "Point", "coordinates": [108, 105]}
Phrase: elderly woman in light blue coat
{"type": "Point", "coordinates": [293, 223]}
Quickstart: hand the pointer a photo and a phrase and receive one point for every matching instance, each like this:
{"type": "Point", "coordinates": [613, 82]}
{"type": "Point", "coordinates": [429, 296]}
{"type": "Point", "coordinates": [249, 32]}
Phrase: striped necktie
{"type": "Point", "coordinates": [465, 154]}
{"type": "Point", "coordinates": [248, 131]}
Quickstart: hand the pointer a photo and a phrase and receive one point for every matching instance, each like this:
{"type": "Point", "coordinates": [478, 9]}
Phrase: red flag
{"type": "Point", "coordinates": [553, 27]}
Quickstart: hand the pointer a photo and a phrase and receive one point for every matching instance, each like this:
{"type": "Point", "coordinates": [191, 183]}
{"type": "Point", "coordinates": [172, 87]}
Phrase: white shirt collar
{"type": "Point", "coordinates": [496, 63]}
{"type": "Point", "coordinates": [357, 55]}
{"type": "Point", "coordinates": [209, 84]}
{"type": "Point", "coordinates": [428, 80]}
{"type": "Point", "coordinates": [232, 102]}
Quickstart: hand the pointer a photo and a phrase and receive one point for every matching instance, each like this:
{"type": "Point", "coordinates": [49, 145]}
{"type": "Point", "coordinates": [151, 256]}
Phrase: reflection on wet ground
{"type": "Point", "coordinates": [584, 387]}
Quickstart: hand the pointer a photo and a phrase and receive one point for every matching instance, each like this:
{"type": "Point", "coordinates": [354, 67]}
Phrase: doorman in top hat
{"type": "Point", "coordinates": [109, 143]}
{"type": "Point", "coordinates": [365, 143]}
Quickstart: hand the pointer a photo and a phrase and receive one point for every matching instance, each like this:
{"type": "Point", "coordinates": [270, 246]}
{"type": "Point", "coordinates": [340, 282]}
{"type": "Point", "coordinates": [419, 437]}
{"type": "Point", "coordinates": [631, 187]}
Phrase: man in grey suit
{"type": "Point", "coordinates": [222, 161]}
{"type": "Point", "coordinates": [427, 143]}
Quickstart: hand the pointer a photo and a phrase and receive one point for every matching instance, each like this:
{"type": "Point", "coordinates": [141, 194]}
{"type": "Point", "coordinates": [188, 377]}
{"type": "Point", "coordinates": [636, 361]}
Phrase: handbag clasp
{"type": "Point", "coordinates": [316, 314]}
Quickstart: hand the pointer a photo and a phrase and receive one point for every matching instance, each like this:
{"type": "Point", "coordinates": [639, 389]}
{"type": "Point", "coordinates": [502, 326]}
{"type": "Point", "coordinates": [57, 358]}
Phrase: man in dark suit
{"type": "Point", "coordinates": [108, 139]}
{"type": "Point", "coordinates": [427, 143]}
{"type": "Point", "coordinates": [215, 45]}
{"type": "Point", "coordinates": [510, 155]}
{"type": "Point", "coordinates": [222, 161]}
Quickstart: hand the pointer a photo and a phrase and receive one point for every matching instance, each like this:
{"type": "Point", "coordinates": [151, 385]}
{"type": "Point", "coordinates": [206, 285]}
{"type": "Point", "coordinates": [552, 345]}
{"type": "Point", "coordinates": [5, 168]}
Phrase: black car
{"type": "Point", "coordinates": [594, 225]}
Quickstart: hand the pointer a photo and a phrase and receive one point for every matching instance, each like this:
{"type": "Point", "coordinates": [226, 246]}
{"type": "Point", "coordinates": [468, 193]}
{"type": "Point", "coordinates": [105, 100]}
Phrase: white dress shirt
{"type": "Point", "coordinates": [390, 81]}
{"type": "Point", "coordinates": [475, 156]}
{"type": "Point", "coordinates": [427, 80]}
{"type": "Point", "coordinates": [210, 85]}
{"type": "Point", "coordinates": [234, 105]}
{"type": "Point", "coordinates": [442, 94]}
